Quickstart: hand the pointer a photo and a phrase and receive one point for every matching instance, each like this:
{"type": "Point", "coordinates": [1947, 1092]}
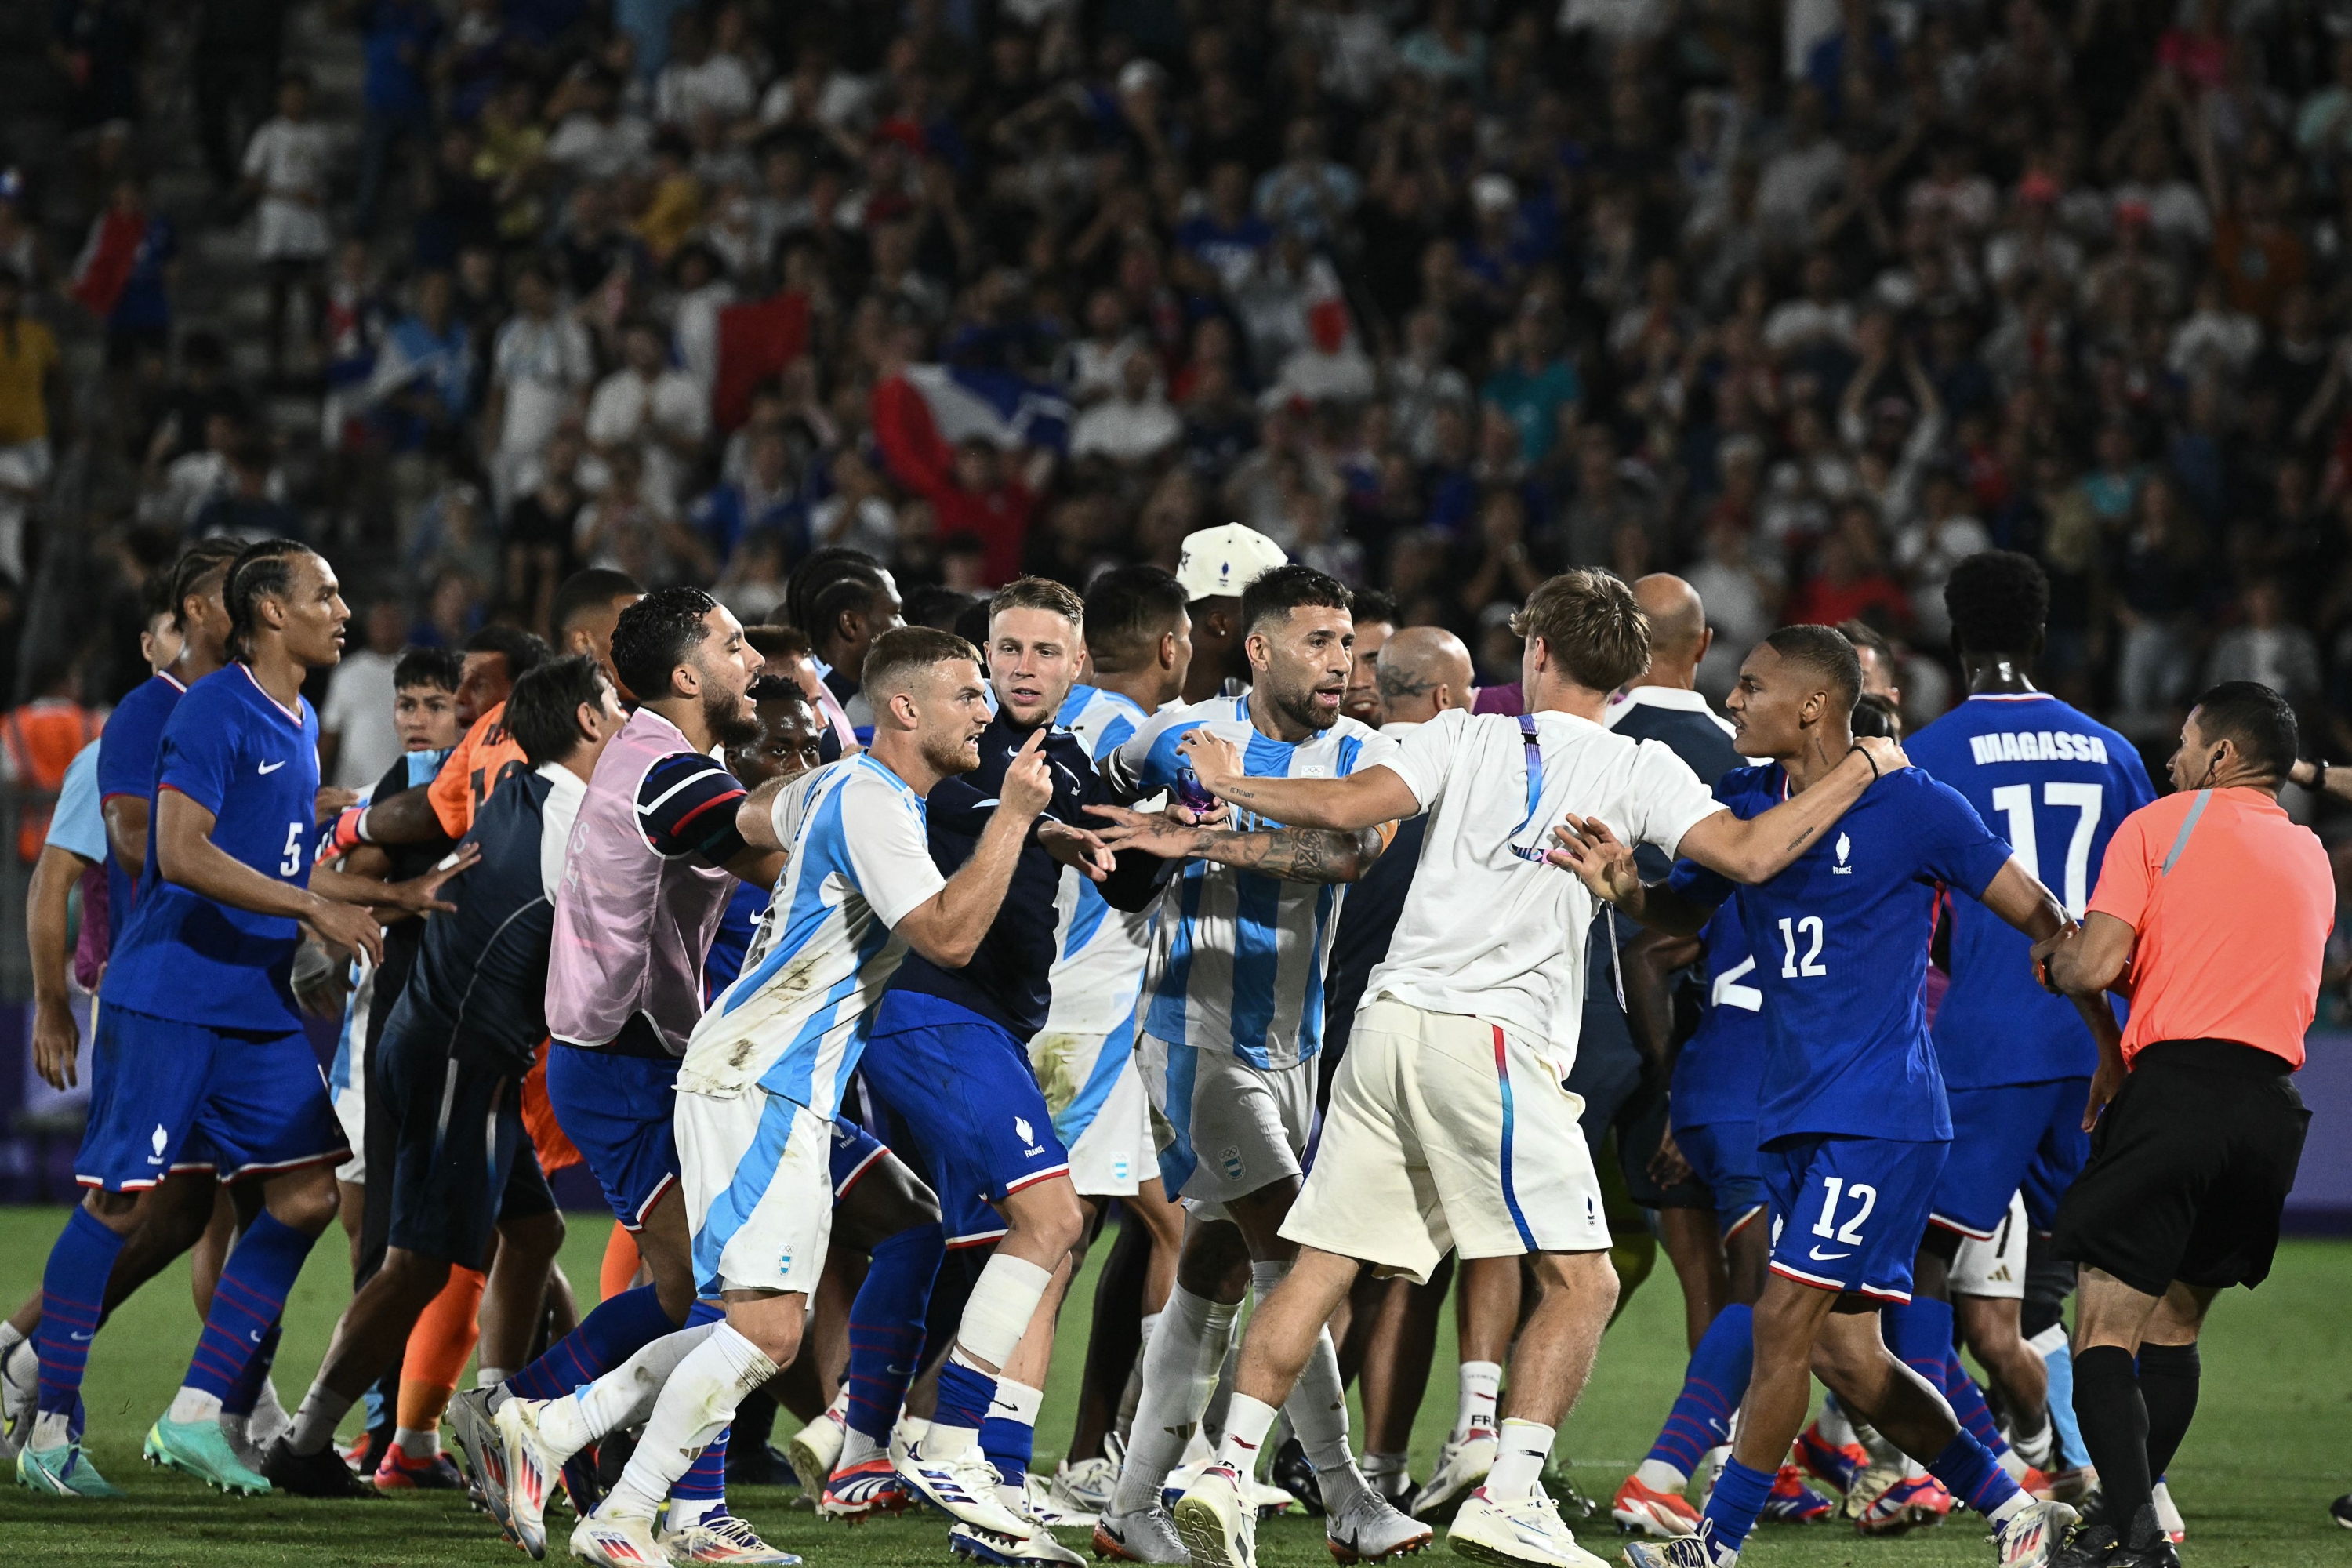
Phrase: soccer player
{"type": "Point", "coordinates": [1138, 641]}
{"type": "Point", "coordinates": [765, 1071]}
{"type": "Point", "coordinates": [654, 857]}
{"type": "Point", "coordinates": [466, 1028]}
{"type": "Point", "coordinates": [1450, 1121]}
{"type": "Point", "coordinates": [1231, 1020]}
{"type": "Point", "coordinates": [199, 1027]}
{"type": "Point", "coordinates": [1852, 1125]}
{"type": "Point", "coordinates": [2212, 914]}
{"type": "Point", "coordinates": [948, 1056]}
{"type": "Point", "coordinates": [2017, 1061]}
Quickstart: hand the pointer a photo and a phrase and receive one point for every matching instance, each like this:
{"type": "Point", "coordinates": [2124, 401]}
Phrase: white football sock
{"type": "Point", "coordinates": [1247, 1424]}
{"type": "Point", "coordinates": [1836, 1429]}
{"type": "Point", "coordinates": [194, 1404]}
{"type": "Point", "coordinates": [695, 1406]}
{"type": "Point", "coordinates": [1482, 1385]}
{"type": "Point", "coordinates": [491, 1376]}
{"type": "Point", "coordinates": [314, 1424]}
{"type": "Point", "coordinates": [416, 1445]}
{"type": "Point", "coordinates": [2036, 1450]}
{"type": "Point", "coordinates": [621, 1398]}
{"type": "Point", "coordinates": [1317, 1406]}
{"type": "Point", "coordinates": [1180, 1372]}
{"type": "Point", "coordinates": [1660, 1477]}
{"type": "Point", "coordinates": [1519, 1460]}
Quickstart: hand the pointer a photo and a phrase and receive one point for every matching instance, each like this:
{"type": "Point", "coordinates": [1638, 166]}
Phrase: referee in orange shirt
{"type": "Point", "coordinates": [2211, 915]}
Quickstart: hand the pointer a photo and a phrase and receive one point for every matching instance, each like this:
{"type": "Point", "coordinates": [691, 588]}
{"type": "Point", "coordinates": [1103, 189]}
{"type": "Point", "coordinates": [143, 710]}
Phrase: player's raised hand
{"type": "Point", "coordinates": [347, 926]}
{"type": "Point", "coordinates": [416, 895]}
{"type": "Point", "coordinates": [1883, 751]}
{"type": "Point", "coordinates": [1603, 861]}
{"type": "Point", "coordinates": [1078, 847]}
{"type": "Point", "coordinates": [1152, 832]}
{"type": "Point", "coordinates": [1028, 786]}
{"type": "Point", "coordinates": [1216, 760]}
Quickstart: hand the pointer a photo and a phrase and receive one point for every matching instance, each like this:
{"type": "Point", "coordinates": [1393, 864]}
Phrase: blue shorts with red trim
{"type": "Point", "coordinates": [166, 1096]}
{"type": "Point", "coordinates": [1850, 1211]}
{"type": "Point", "coordinates": [963, 1088]}
{"type": "Point", "coordinates": [1722, 1157]}
{"type": "Point", "coordinates": [854, 1150]}
{"type": "Point", "coordinates": [2019, 1135]}
{"type": "Point", "coordinates": [615, 1107]}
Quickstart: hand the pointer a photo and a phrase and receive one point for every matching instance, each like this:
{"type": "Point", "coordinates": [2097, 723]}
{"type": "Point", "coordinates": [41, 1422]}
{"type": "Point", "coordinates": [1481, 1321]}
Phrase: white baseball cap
{"type": "Point", "coordinates": [1218, 563]}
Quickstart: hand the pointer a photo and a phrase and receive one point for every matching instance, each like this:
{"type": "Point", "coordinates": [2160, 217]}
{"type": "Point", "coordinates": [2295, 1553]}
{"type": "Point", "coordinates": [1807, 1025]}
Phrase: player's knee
{"type": "Point", "coordinates": [1048, 1214]}
{"type": "Point", "coordinates": [119, 1212]}
{"type": "Point", "coordinates": [417, 1278]}
{"type": "Point", "coordinates": [303, 1200]}
{"type": "Point", "coordinates": [539, 1235]}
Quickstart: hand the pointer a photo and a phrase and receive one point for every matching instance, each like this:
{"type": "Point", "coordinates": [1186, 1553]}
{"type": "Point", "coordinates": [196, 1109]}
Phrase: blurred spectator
{"type": "Point", "coordinates": [286, 169]}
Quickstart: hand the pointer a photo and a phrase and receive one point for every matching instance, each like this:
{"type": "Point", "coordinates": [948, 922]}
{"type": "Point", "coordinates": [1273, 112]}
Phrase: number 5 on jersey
{"type": "Point", "coordinates": [1791, 933]}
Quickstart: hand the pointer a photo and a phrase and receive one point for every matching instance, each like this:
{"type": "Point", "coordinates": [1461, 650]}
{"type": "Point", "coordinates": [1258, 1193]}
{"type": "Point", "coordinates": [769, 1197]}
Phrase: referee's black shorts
{"type": "Point", "coordinates": [462, 1161]}
{"type": "Point", "coordinates": [2189, 1169]}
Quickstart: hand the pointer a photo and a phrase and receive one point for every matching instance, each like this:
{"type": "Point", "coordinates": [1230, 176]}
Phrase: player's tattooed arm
{"type": "Point", "coordinates": [1291, 854]}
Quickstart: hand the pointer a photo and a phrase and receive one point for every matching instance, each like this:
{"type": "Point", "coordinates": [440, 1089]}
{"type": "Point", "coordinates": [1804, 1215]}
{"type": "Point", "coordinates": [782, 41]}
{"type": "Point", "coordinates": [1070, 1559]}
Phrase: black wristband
{"type": "Point", "coordinates": [1875, 774]}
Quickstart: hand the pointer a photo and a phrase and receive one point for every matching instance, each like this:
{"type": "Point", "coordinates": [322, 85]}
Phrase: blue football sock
{"type": "Point", "coordinates": [1968, 1403]}
{"type": "Point", "coordinates": [73, 1288]}
{"type": "Point", "coordinates": [886, 1327]}
{"type": "Point", "coordinates": [965, 1394]}
{"type": "Point", "coordinates": [2060, 1363]}
{"type": "Point", "coordinates": [1737, 1502]}
{"type": "Point", "coordinates": [614, 1332]}
{"type": "Point", "coordinates": [246, 1394]}
{"type": "Point", "coordinates": [703, 1487]}
{"type": "Point", "coordinates": [261, 1268]}
{"type": "Point", "coordinates": [1009, 1436]}
{"type": "Point", "coordinates": [1971, 1474]}
{"type": "Point", "coordinates": [1713, 1387]}
{"type": "Point", "coordinates": [1919, 1332]}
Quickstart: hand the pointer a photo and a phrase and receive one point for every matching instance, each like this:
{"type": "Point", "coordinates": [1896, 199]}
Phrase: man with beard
{"type": "Point", "coordinates": [653, 858]}
{"type": "Point", "coordinates": [766, 1069]}
{"type": "Point", "coordinates": [949, 1059]}
{"type": "Point", "coordinates": [1232, 1019]}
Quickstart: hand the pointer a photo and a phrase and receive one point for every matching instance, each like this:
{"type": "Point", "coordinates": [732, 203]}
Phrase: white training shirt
{"type": "Point", "coordinates": [1238, 959]}
{"type": "Point", "coordinates": [795, 1022]}
{"type": "Point", "coordinates": [1486, 932]}
{"type": "Point", "coordinates": [1099, 951]}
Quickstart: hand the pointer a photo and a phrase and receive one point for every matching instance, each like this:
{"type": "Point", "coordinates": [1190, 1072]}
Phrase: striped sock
{"type": "Point", "coordinates": [614, 1332]}
{"type": "Point", "coordinates": [261, 1268]}
{"type": "Point", "coordinates": [72, 1287]}
{"type": "Point", "coordinates": [886, 1328]}
{"type": "Point", "coordinates": [1713, 1386]}
{"type": "Point", "coordinates": [241, 1399]}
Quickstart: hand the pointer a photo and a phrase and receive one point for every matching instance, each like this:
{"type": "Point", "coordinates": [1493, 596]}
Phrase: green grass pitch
{"type": "Point", "coordinates": [2268, 1452]}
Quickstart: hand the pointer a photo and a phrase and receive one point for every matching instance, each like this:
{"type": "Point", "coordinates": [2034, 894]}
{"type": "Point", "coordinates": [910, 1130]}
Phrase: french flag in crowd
{"type": "Point", "coordinates": [929, 406]}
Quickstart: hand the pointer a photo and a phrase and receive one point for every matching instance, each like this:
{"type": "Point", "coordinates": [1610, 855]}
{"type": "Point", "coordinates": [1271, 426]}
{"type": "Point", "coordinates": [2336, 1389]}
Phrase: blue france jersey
{"type": "Point", "coordinates": [126, 766]}
{"type": "Point", "coordinates": [1841, 944]}
{"type": "Point", "coordinates": [229, 747]}
{"type": "Point", "coordinates": [2055, 784]}
{"type": "Point", "coordinates": [1238, 959]}
{"type": "Point", "coordinates": [794, 1023]}
{"type": "Point", "coordinates": [1720, 1066]}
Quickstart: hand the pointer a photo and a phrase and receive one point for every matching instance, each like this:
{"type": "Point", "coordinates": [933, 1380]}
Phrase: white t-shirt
{"type": "Point", "coordinates": [1490, 934]}
{"type": "Point", "coordinates": [290, 160]}
{"type": "Point", "coordinates": [359, 709]}
{"type": "Point", "coordinates": [544, 367]}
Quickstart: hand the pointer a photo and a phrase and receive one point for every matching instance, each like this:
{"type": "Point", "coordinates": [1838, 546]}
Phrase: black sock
{"type": "Point", "coordinates": [2114, 1418]}
{"type": "Point", "coordinates": [2167, 1385]}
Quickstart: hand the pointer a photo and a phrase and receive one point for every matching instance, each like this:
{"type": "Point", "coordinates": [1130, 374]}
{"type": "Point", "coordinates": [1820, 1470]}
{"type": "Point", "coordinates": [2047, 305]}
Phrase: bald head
{"type": "Point", "coordinates": [1424, 670]}
{"type": "Point", "coordinates": [1678, 630]}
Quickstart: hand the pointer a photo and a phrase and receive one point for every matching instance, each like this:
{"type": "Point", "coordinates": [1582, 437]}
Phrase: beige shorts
{"type": "Point", "coordinates": [1446, 1131]}
{"type": "Point", "coordinates": [1223, 1128]}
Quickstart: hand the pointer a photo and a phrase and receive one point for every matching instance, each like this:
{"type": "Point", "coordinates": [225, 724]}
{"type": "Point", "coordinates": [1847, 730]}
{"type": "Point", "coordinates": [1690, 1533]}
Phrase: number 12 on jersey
{"type": "Point", "coordinates": [1792, 931]}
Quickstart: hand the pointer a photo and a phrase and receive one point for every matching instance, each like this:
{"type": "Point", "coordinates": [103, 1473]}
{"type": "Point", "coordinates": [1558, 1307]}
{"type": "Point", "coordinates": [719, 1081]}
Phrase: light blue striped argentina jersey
{"type": "Point", "coordinates": [795, 1022]}
{"type": "Point", "coordinates": [1098, 951]}
{"type": "Point", "coordinates": [1238, 959]}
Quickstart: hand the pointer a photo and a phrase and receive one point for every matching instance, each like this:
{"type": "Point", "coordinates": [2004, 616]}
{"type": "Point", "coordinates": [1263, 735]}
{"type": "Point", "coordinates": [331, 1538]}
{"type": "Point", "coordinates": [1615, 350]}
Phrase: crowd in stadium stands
{"type": "Point", "coordinates": [1805, 301]}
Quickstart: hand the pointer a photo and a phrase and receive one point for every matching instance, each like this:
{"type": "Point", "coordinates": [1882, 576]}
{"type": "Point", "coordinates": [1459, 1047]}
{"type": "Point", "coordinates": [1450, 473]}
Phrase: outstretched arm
{"type": "Point", "coordinates": [1361, 800]}
{"type": "Point", "coordinates": [1605, 863]}
{"type": "Point", "coordinates": [1762, 846]}
{"type": "Point", "coordinates": [2095, 951]}
{"type": "Point", "coordinates": [1290, 853]}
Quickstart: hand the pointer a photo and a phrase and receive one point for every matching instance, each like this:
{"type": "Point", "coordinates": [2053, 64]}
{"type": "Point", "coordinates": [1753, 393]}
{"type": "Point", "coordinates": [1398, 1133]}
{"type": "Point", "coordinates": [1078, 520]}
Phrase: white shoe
{"type": "Point", "coordinates": [1462, 1467]}
{"type": "Point", "coordinates": [1523, 1533]}
{"type": "Point", "coordinates": [1215, 1522]}
{"type": "Point", "coordinates": [20, 1394]}
{"type": "Point", "coordinates": [1032, 1550]}
{"type": "Point", "coordinates": [1043, 1501]}
{"type": "Point", "coordinates": [724, 1538]}
{"type": "Point", "coordinates": [532, 1467]}
{"type": "Point", "coordinates": [1085, 1487]}
{"type": "Point", "coordinates": [1148, 1536]}
{"type": "Point", "coordinates": [815, 1450]}
{"type": "Point", "coordinates": [622, 1541]}
{"type": "Point", "coordinates": [1368, 1528]}
{"type": "Point", "coordinates": [1182, 1480]}
{"type": "Point", "coordinates": [964, 1488]}
{"type": "Point", "coordinates": [269, 1421]}
{"type": "Point", "coordinates": [2167, 1517]}
{"type": "Point", "coordinates": [2032, 1534]}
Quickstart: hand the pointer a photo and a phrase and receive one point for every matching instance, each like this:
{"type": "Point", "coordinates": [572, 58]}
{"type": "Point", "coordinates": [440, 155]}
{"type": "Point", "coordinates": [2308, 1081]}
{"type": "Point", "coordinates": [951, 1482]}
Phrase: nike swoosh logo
{"type": "Point", "coordinates": [271, 767]}
{"type": "Point", "coordinates": [1818, 1256]}
{"type": "Point", "coordinates": [255, 1336]}
{"type": "Point", "coordinates": [81, 1339]}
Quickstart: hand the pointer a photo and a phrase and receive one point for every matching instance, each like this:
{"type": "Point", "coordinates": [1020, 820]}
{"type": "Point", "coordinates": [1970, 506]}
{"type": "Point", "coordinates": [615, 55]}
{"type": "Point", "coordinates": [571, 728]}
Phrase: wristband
{"type": "Point", "coordinates": [351, 829]}
{"type": "Point", "coordinates": [1875, 774]}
